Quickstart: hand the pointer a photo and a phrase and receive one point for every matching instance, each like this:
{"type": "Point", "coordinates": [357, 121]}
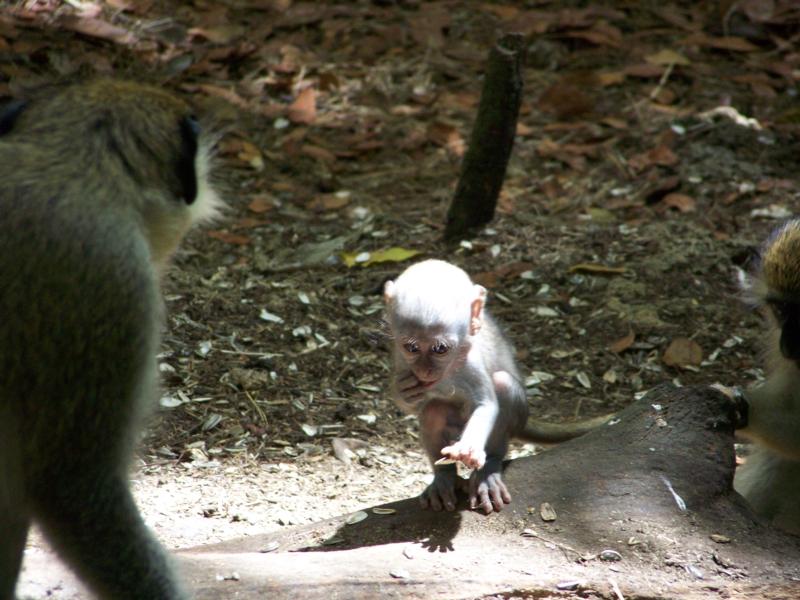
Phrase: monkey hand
{"type": "Point", "coordinates": [466, 453]}
{"type": "Point", "coordinates": [410, 390]}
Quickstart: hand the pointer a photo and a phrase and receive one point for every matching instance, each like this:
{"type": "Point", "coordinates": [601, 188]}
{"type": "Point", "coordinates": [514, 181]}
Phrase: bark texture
{"type": "Point", "coordinates": [484, 165]}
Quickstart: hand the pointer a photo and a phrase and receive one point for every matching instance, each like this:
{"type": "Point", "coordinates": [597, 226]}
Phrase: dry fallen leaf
{"type": "Point", "coordinates": [222, 34]}
{"type": "Point", "coordinates": [318, 153]}
{"type": "Point", "coordinates": [325, 202]}
{"type": "Point", "coordinates": [365, 259]}
{"type": "Point", "coordinates": [682, 202]}
{"type": "Point", "coordinates": [610, 78]}
{"type": "Point", "coordinates": [304, 108]}
{"type": "Point", "coordinates": [565, 99]}
{"type": "Point", "coordinates": [229, 238]}
{"type": "Point", "coordinates": [260, 203]}
{"type": "Point", "coordinates": [601, 33]}
{"type": "Point", "coordinates": [660, 155]}
{"type": "Point", "coordinates": [733, 43]}
{"type": "Point", "coordinates": [243, 150]}
{"type": "Point", "coordinates": [508, 271]}
{"type": "Point", "coordinates": [98, 28]}
{"type": "Point", "coordinates": [683, 352]}
{"type": "Point", "coordinates": [622, 343]}
{"type": "Point", "coordinates": [667, 57]}
{"type": "Point", "coordinates": [447, 136]}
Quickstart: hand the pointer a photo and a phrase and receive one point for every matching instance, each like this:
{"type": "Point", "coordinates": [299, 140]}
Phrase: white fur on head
{"type": "Point", "coordinates": [435, 293]}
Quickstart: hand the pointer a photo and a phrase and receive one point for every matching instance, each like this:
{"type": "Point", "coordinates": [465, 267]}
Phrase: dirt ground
{"type": "Point", "coordinates": [657, 147]}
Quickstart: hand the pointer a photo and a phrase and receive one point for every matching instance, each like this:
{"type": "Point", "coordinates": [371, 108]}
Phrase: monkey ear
{"type": "Point", "coordinates": [9, 112]}
{"type": "Point", "coordinates": [388, 292]}
{"type": "Point", "coordinates": [184, 166]}
{"type": "Point", "coordinates": [476, 310]}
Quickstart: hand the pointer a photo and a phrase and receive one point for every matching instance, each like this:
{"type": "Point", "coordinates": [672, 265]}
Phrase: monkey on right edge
{"type": "Point", "coordinates": [770, 477]}
{"type": "Point", "coordinates": [99, 181]}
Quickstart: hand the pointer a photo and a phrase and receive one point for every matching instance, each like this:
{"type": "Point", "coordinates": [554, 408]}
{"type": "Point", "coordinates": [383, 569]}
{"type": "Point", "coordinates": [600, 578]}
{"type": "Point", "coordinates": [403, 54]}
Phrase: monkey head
{"type": "Point", "coordinates": [135, 141]}
{"type": "Point", "coordinates": [433, 310]}
{"type": "Point", "coordinates": [780, 285]}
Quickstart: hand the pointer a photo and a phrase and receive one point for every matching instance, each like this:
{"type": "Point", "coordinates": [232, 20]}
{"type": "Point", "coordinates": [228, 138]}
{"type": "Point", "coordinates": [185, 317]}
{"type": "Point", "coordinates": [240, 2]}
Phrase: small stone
{"type": "Point", "coordinates": [610, 556]}
{"type": "Point", "coordinates": [547, 512]}
{"type": "Point", "coordinates": [356, 517]}
{"type": "Point", "coordinates": [333, 541]}
{"type": "Point", "coordinates": [400, 573]}
{"type": "Point", "coordinates": [383, 511]}
{"type": "Point", "coordinates": [569, 586]}
{"type": "Point", "coordinates": [720, 539]}
{"type": "Point", "coordinates": [270, 547]}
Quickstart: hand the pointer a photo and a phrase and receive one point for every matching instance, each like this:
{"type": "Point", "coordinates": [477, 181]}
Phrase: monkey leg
{"type": "Point", "coordinates": [487, 491]}
{"type": "Point", "coordinates": [440, 424]}
{"type": "Point", "coordinates": [94, 524]}
{"type": "Point", "coordinates": [771, 485]}
{"type": "Point", "coordinates": [14, 527]}
{"type": "Point", "coordinates": [14, 518]}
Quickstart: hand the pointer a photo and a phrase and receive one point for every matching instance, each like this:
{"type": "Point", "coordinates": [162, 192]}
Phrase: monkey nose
{"type": "Point", "coordinates": [427, 378]}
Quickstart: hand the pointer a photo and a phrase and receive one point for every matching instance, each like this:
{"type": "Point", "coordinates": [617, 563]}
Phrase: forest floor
{"type": "Point", "coordinates": [657, 147]}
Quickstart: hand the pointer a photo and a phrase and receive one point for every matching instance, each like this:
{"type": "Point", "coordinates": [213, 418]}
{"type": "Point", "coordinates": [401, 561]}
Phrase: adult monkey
{"type": "Point", "coordinates": [770, 478]}
{"type": "Point", "coordinates": [99, 181]}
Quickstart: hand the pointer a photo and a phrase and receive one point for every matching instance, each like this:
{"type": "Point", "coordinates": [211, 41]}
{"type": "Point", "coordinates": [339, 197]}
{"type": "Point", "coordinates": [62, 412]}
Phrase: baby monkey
{"type": "Point", "coordinates": [770, 478]}
{"type": "Point", "coordinates": [455, 370]}
{"type": "Point", "coordinates": [98, 183]}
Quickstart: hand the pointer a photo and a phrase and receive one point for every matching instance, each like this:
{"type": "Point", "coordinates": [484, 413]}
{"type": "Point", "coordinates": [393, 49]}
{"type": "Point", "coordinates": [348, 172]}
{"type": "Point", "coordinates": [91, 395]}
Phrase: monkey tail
{"type": "Point", "coordinates": [541, 432]}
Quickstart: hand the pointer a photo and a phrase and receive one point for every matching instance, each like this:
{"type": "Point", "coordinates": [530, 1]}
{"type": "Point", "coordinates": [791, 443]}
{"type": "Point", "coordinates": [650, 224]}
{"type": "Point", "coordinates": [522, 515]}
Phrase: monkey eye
{"type": "Point", "coordinates": [440, 348]}
{"type": "Point", "coordinates": [411, 347]}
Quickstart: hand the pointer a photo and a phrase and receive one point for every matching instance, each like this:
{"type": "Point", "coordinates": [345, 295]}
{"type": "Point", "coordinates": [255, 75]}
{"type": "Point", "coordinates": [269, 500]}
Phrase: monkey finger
{"type": "Point", "coordinates": [476, 459]}
{"type": "Point", "coordinates": [407, 387]}
{"type": "Point", "coordinates": [407, 381]}
{"type": "Point", "coordinates": [472, 458]}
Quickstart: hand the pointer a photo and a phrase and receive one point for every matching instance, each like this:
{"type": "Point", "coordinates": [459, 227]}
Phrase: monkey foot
{"type": "Point", "coordinates": [441, 493]}
{"type": "Point", "coordinates": [488, 492]}
{"type": "Point", "coordinates": [466, 453]}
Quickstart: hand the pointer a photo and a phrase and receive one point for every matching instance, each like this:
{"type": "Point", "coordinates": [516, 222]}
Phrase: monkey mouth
{"type": "Point", "coordinates": [428, 384]}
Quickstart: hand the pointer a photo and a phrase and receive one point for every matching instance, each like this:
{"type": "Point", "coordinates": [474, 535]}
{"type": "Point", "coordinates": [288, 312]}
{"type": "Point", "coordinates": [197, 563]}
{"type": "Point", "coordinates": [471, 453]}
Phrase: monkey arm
{"type": "Point", "coordinates": [482, 422]}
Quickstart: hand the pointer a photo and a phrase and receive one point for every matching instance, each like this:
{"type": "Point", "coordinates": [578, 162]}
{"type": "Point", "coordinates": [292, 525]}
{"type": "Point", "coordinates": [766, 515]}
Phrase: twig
{"type": "Point", "coordinates": [661, 82]}
{"type": "Point", "coordinates": [617, 591]}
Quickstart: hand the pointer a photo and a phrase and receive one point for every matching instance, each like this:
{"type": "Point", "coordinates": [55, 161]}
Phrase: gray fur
{"type": "Point", "coordinates": [89, 213]}
{"type": "Point", "coordinates": [770, 478]}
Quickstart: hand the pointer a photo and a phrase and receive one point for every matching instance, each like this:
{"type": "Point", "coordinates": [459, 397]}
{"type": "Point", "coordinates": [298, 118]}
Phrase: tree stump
{"type": "Point", "coordinates": [484, 166]}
